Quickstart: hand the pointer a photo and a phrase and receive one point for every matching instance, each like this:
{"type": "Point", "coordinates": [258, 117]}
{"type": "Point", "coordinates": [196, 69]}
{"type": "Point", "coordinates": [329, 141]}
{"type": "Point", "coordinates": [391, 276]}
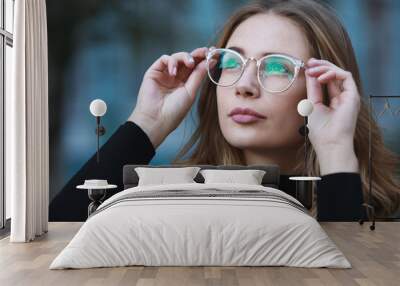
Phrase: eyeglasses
{"type": "Point", "coordinates": [275, 72]}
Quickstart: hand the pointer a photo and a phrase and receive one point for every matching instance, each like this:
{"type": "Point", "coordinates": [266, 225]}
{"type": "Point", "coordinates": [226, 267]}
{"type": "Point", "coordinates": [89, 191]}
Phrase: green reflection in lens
{"type": "Point", "coordinates": [275, 66]}
{"type": "Point", "coordinates": [228, 62]}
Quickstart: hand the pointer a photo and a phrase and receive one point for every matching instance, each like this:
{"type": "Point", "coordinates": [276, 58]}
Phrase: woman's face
{"type": "Point", "coordinates": [259, 34]}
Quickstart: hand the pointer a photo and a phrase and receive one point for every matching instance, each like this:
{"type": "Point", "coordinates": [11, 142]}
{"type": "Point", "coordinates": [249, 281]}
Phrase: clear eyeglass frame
{"type": "Point", "coordinates": [298, 65]}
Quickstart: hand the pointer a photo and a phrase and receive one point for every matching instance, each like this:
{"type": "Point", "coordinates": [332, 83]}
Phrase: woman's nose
{"type": "Point", "coordinates": [248, 83]}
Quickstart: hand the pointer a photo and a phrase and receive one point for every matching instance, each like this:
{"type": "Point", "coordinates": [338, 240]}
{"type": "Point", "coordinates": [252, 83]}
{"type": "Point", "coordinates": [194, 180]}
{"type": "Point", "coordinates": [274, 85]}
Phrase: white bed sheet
{"type": "Point", "coordinates": [200, 231]}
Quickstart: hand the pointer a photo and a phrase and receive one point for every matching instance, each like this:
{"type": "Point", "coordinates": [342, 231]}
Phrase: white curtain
{"type": "Point", "coordinates": [27, 152]}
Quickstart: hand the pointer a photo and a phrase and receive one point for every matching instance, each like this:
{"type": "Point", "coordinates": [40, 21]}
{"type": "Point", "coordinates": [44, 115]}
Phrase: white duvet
{"type": "Point", "coordinates": [183, 231]}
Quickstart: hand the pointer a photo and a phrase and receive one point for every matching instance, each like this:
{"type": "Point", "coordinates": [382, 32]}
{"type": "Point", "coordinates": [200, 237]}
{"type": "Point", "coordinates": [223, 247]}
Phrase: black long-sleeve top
{"type": "Point", "coordinates": [339, 195]}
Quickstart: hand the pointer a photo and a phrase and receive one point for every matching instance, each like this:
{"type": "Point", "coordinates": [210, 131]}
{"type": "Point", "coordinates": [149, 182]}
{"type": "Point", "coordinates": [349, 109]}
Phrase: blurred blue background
{"type": "Point", "coordinates": [101, 49]}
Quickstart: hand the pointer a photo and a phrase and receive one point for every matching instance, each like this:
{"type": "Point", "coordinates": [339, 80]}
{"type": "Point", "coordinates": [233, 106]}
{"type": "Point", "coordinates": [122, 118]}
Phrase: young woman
{"type": "Point", "coordinates": [303, 44]}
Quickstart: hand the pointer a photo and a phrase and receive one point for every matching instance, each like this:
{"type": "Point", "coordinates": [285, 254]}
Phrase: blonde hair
{"type": "Point", "coordinates": [327, 40]}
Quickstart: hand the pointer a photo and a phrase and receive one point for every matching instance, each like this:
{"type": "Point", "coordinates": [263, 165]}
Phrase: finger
{"type": "Point", "coordinates": [348, 81]}
{"type": "Point", "coordinates": [185, 58]}
{"type": "Point", "coordinates": [341, 74]}
{"type": "Point", "coordinates": [334, 102]}
{"type": "Point", "coordinates": [199, 52]}
{"type": "Point", "coordinates": [327, 76]}
{"type": "Point", "coordinates": [160, 65]}
{"type": "Point", "coordinates": [316, 62]}
{"type": "Point", "coordinates": [320, 65]}
{"type": "Point", "coordinates": [195, 79]}
{"type": "Point", "coordinates": [317, 71]}
{"type": "Point", "coordinates": [314, 90]}
{"type": "Point", "coordinates": [330, 78]}
{"type": "Point", "coordinates": [172, 66]}
{"type": "Point", "coordinates": [212, 63]}
{"type": "Point", "coordinates": [334, 94]}
{"type": "Point", "coordinates": [345, 77]}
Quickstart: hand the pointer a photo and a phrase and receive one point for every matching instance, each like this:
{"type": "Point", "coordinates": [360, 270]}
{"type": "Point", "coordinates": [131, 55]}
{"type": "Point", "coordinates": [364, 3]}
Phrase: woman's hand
{"type": "Point", "coordinates": [331, 129]}
{"type": "Point", "coordinates": [167, 92]}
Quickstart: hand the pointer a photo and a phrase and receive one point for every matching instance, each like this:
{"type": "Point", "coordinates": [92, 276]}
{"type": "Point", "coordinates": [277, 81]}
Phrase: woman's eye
{"type": "Point", "coordinates": [228, 63]}
{"type": "Point", "coordinates": [276, 68]}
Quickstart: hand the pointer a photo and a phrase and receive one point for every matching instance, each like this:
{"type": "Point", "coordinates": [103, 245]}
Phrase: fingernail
{"type": "Point", "coordinates": [191, 59]}
{"type": "Point", "coordinates": [174, 71]}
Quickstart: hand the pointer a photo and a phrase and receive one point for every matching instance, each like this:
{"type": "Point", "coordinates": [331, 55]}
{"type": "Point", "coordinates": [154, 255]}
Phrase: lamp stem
{"type": "Point", "coordinates": [369, 153]}
{"type": "Point", "coordinates": [305, 144]}
{"type": "Point", "coordinates": [98, 138]}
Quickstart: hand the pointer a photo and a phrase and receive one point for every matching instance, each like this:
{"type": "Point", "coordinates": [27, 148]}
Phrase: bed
{"type": "Point", "coordinates": [201, 224]}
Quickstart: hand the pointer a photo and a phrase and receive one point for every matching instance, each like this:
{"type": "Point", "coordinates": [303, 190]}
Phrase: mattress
{"type": "Point", "coordinates": [197, 224]}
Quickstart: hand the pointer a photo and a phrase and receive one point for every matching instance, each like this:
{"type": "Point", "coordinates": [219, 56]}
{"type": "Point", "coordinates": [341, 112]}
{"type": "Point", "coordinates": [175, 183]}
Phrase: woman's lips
{"type": "Point", "coordinates": [245, 115]}
{"type": "Point", "coordinates": [245, 118]}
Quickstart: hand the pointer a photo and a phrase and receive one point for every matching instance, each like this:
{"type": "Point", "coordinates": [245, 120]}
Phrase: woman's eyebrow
{"type": "Point", "coordinates": [241, 51]}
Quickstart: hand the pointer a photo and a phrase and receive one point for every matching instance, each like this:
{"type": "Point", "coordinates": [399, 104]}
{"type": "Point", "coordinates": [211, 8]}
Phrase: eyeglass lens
{"type": "Point", "coordinates": [275, 72]}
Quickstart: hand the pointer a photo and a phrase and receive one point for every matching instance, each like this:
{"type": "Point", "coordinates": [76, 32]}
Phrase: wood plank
{"type": "Point", "coordinates": [374, 255]}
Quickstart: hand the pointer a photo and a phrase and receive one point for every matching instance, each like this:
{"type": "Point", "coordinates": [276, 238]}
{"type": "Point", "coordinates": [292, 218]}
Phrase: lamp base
{"type": "Point", "coordinates": [371, 214]}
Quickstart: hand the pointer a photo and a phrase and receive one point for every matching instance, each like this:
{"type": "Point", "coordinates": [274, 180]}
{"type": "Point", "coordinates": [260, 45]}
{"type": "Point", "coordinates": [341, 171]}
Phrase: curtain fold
{"type": "Point", "coordinates": [27, 141]}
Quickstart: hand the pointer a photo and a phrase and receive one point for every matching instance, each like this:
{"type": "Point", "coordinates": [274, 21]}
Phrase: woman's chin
{"type": "Point", "coordinates": [258, 140]}
{"type": "Point", "coordinates": [246, 133]}
{"type": "Point", "coordinates": [243, 141]}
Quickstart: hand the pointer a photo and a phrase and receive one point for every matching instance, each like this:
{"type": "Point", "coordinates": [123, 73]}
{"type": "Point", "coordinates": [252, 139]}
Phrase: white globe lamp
{"type": "Point", "coordinates": [98, 108]}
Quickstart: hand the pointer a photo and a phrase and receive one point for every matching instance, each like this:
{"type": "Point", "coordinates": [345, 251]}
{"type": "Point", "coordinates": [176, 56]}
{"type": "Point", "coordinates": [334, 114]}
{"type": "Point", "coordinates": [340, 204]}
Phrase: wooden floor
{"type": "Point", "coordinates": [375, 256]}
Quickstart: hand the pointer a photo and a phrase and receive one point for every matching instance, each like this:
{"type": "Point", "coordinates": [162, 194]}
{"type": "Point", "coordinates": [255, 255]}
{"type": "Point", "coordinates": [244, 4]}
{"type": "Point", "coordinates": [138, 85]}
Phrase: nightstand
{"type": "Point", "coordinates": [97, 190]}
{"type": "Point", "coordinates": [304, 190]}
